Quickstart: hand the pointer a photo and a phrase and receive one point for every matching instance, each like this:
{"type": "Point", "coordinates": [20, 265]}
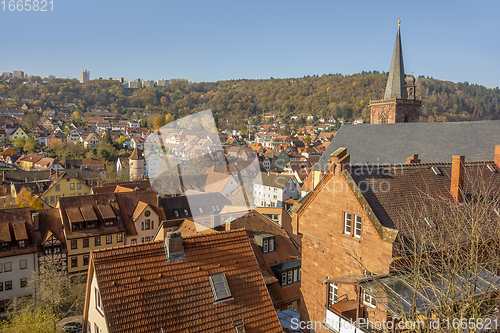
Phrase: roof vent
{"type": "Point", "coordinates": [430, 222]}
{"type": "Point", "coordinates": [491, 168]}
{"type": "Point", "coordinates": [436, 170]}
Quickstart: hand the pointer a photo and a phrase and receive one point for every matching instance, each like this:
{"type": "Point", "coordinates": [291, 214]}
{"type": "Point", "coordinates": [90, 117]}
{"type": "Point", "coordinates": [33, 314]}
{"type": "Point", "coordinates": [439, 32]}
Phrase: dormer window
{"type": "Point", "coordinates": [21, 244]}
{"type": "Point", "coordinates": [219, 285]}
{"type": "Point", "coordinates": [5, 246]}
{"type": "Point", "coordinates": [265, 241]}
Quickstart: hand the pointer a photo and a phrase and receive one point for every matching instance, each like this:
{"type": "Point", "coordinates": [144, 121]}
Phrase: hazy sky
{"type": "Point", "coordinates": [218, 40]}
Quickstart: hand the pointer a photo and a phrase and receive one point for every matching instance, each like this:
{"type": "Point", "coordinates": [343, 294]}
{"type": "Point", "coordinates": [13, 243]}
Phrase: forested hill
{"type": "Point", "coordinates": [235, 100]}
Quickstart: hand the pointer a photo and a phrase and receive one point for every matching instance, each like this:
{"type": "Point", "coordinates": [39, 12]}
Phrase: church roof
{"type": "Point", "coordinates": [433, 142]}
{"type": "Point", "coordinates": [396, 86]}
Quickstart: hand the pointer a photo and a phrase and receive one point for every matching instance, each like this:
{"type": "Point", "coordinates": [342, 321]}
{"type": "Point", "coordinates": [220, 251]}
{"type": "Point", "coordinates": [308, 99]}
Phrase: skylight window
{"type": "Point", "coordinates": [430, 222]}
{"type": "Point", "coordinates": [240, 329]}
{"type": "Point", "coordinates": [220, 288]}
{"type": "Point", "coordinates": [436, 170]}
{"type": "Point", "coordinates": [491, 168]}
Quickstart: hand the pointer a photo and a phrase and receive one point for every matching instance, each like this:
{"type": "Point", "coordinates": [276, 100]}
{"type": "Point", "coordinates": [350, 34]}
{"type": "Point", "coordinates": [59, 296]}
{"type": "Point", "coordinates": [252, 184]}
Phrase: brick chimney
{"type": "Point", "coordinates": [457, 177]}
{"type": "Point", "coordinates": [497, 156]}
{"type": "Point", "coordinates": [413, 159]}
{"type": "Point", "coordinates": [174, 250]}
{"type": "Point", "coordinates": [339, 161]}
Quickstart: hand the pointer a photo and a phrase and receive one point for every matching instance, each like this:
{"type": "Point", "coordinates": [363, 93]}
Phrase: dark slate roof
{"type": "Point", "coordinates": [433, 142]}
{"type": "Point", "coordinates": [396, 86]}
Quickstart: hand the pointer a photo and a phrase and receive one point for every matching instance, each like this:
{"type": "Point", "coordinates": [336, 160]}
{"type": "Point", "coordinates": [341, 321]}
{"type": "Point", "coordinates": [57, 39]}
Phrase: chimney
{"type": "Point", "coordinates": [457, 177]}
{"type": "Point", "coordinates": [228, 226]}
{"type": "Point", "coordinates": [214, 220]}
{"type": "Point", "coordinates": [174, 250]}
{"type": "Point", "coordinates": [413, 159]}
{"type": "Point", "coordinates": [339, 161]}
{"type": "Point", "coordinates": [36, 221]}
{"type": "Point", "coordinates": [497, 156]}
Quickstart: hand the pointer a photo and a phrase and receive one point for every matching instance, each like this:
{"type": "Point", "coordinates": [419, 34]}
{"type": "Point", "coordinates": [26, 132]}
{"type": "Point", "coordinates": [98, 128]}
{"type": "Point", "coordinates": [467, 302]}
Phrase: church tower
{"type": "Point", "coordinates": [136, 165]}
{"type": "Point", "coordinates": [399, 104]}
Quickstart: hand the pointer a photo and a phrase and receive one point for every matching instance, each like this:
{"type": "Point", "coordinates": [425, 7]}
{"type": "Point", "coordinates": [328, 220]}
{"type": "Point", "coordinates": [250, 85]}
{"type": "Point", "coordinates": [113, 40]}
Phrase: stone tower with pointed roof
{"type": "Point", "coordinates": [136, 165]}
{"type": "Point", "coordinates": [399, 104]}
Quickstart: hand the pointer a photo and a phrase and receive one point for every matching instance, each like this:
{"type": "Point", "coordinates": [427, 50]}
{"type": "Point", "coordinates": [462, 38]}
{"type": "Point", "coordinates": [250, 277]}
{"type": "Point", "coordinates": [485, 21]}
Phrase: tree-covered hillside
{"type": "Point", "coordinates": [235, 100]}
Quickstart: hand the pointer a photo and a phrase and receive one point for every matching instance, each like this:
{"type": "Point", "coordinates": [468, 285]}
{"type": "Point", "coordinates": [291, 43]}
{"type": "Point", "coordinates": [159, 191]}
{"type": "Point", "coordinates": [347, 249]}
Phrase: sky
{"type": "Point", "coordinates": [221, 40]}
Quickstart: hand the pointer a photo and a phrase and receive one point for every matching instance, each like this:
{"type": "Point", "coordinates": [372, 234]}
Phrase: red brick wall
{"type": "Point", "coordinates": [395, 112]}
{"type": "Point", "coordinates": [328, 252]}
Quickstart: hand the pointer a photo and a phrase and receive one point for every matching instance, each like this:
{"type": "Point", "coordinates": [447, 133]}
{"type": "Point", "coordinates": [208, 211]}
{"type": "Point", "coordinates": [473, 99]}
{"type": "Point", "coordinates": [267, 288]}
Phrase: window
{"type": "Point", "coordinates": [1, 286]}
{"type": "Point", "coordinates": [24, 282]}
{"type": "Point", "coordinates": [148, 213]}
{"type": "Point", "coordinates": [5, 246]}
{"type": "Point", "coordinates": [23, 264]}
{"type": "Point", "coordinates": [220, 288]}
{"type": "Point", "coordinates": [109, 223]}
{"type": "Point", "coordinates": [52, 199]}
{"type": "Point", "coordinates": [96, 328]}
{"type": "Point", "coordinates": [78, 186]}
{"type": "Point", "coordinates": [333, 290]}
{"type": "Point", "coordinates": [186, 212]}
{"type": "Point", "coordinates": [201, 210]}
{"type": "Point", "coordinates": [142, 225]}
{"type": "Point", "coordinates": [147, 239]}
{"type": "Point", "coordinates": [217, 207]}
{"type": "Point", "coordinates": [295, 271]}
{"type": "Point", "coordinates": [265, 246]}
{"type": "Point", "coordinates": [347, 223]}
{"type": "Point", "coordinates": [98, 300]}
{"type": "Point", "coordinates": [119, 238]}
{"type": "Point", "coordinates": [97, 241]}
{"type": "Point", "coordinates": [290, 276]}
{"type": "Point", "coordinates": [21, 244]}
{"type": "Point", "coordinates": [74, 244]}
{"type": "Point", "coordinates": [85, 242]}
{"type": "Point", "coordinates": [176, 213]}
{"type": "Point", "coordinates": [72, 186]}
{"type": "Point", "coordinates": [57, 249]}
{"type": "Point", "coordinates": [146, 224]}
{"type": "Point", "coordinates": [109, 239]}
{"type": "Point", "coordinates": [1, 268]}
{"type": "Point", "coordinates": [8, 285]}
{"type": "Point", "coordinates": [368, 299]}
{"type": "Point", "coordinates": [48, 250]}
{"type": "Point", "coordinates": [271, 245]}
{"type": "Point", "coordinates": [85, 260]}
{"type": "Point", "coordinates": [74, 262]}
{"type": "Point", "coordinates": [357, 226]}
{"type": "Point", "coordinates": [7, 266]}
{"type": "Point", "coordinates": [133, 241]}
{"type": "Point", "coordinates": [58, 188]}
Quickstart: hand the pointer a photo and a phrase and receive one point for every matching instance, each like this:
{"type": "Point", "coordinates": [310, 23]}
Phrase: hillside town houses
{"type": "Point", "coordinates": [300, 222]}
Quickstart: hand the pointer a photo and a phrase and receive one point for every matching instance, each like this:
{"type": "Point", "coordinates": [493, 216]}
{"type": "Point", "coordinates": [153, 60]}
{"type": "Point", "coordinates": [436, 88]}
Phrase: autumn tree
{"type": "Point", "coordinates": [30, 145]}
{"type": "Point", "coordinates": [19, 143]}
{"type": "Point", "coordinates": [76, 116]}
{"type": "Point", "coordinates": [168, 118]}
{"type": "Point", "coordinates": [159, 121]}
{"type": "Point", "coordinates": [30, 120]}
{"type": "Point", "coordinates": [26, 199]}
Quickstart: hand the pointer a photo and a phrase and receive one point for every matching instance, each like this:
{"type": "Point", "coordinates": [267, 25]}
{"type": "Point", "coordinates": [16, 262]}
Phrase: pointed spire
{"type": "Point", "coordinates": [396, 87]}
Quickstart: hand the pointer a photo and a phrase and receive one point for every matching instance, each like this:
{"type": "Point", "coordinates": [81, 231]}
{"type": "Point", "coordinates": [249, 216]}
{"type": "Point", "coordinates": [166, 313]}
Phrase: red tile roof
{"type": "Point", "coordinates": [142, 292]}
